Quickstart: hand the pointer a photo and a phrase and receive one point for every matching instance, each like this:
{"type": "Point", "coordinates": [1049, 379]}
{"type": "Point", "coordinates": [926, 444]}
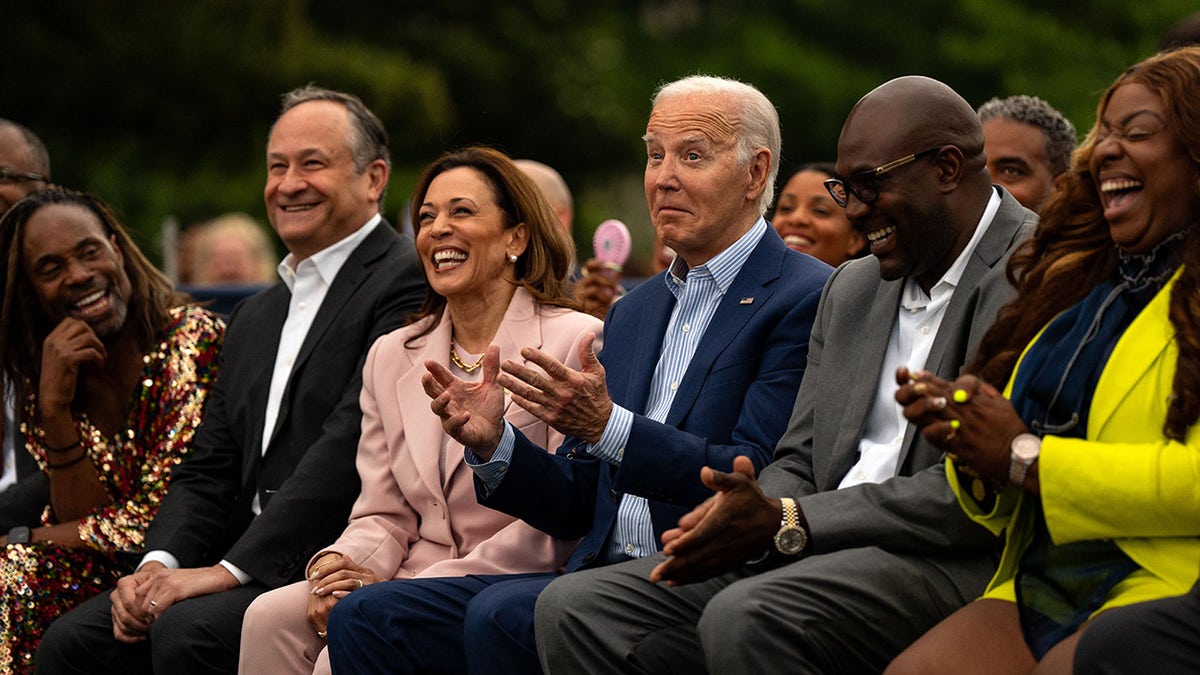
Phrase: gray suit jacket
{"type": "Point", "coordinates": [915, 512]}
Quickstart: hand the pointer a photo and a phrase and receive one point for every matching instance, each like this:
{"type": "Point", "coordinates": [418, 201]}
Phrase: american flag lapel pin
{"type": "Point", "coordinates": [747, 301]}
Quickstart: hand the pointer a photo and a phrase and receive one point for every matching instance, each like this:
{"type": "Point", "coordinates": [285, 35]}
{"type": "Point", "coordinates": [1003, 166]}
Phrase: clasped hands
{"type": "Point", "coordinates": [332, 577]}
{"type": "Point", "coordinates": [968, 419]}
{"type": "Point", "coordinates": [143, 596]}
{"type": "Point", "coordinates": [575, 402]}
{"type": "Point", "coordinates": [735, 525]}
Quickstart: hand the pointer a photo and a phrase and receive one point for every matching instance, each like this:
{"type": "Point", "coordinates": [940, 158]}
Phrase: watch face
{"type": "Point", "coordinates": [1027, 447]}
{"type": "Point", "coordinates": [790, 540]}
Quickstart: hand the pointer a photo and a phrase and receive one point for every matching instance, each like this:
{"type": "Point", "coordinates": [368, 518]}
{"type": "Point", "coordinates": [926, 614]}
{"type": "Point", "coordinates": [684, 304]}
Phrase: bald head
{"type": "Point", "coordinates": [23, 152]}
{"type": "Point", "coordinates": [553, 187]}
{"type": "Point", "coordinates": [918, 112]}
{"type": "Point", "coordinates": [911, 158]}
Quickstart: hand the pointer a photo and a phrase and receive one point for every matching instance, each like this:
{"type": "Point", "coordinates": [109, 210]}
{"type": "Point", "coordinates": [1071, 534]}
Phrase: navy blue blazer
{"type": "Point", "coordinates": [735, 399]}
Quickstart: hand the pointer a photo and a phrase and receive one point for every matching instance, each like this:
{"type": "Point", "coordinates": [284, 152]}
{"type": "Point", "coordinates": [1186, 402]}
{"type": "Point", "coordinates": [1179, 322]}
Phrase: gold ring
{"type": "Point", "coordinates": [321, 634]}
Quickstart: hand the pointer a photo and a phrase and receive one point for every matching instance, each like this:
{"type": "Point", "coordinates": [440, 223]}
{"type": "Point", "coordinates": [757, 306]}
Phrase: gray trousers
{"type": "Point", "coordinates": [848, 611]}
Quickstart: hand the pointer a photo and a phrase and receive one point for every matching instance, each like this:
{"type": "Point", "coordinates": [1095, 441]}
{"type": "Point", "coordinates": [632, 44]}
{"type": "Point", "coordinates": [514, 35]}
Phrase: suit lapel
{"type": "Point", "coordinates": [1135, 353]}
{"type": "Point", "coordinates": [648, 346]}
{"type": "Point", "coordinates": [732, 316]}
{"type": "Point", "coordinates": [353, 273]}
{"type": "Point", "coordinates": [989, 251]}
{"type": "Point", "coordinates": [862, 383]}
{"type": "Point", "coordinates": [269, 317]}
{"type": "Point", "coordinates": [422, 429]}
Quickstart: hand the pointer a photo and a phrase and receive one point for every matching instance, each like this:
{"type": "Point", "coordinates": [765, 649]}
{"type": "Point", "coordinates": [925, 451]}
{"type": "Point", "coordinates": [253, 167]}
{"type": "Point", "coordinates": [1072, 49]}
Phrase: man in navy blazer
{"type": "Point", "coordinates": [271, 475]}
{"type": "Point", "coordinates": [700, 364]}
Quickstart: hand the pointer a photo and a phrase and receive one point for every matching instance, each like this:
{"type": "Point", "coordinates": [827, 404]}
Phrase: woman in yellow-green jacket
{"type": "Point", "coordinates": [1089, 463]}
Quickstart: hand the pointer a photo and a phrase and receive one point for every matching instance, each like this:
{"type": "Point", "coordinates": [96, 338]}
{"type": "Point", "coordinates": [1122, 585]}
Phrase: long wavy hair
{"type": "Point", "coordinates": [23, 326]}
{"type": "Point", "coordinates": [1071, 251]}
{"type": "Point", "coordinates": [542, 269]}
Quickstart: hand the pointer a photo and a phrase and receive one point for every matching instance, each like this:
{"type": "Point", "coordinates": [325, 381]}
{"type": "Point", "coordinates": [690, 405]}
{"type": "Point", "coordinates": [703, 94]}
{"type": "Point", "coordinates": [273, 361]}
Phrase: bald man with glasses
{"type": "Point", "coordinates": [850, 544]}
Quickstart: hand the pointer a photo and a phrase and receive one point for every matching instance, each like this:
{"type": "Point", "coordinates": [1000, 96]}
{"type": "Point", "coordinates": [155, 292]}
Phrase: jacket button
{"type": "Point", "coordinates": [589, 557]}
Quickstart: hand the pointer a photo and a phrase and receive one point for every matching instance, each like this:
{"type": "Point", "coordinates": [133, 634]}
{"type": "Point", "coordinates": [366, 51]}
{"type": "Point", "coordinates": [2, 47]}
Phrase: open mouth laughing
{"type": "Point", "coordinates": [1117, 192]}
{"type": "Point", "coordinates": [92, 305]}
{"type": "Point", "coordinates": [448, 258]}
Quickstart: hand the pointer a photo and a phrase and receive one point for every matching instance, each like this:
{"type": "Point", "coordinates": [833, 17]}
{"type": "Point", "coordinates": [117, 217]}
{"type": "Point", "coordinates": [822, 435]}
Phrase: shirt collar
{"type": "Point", "coordinates": [915, 298]}
{"type": "Point", "coordinates": [724, 266]}
{"type": "Point", "coordinates": [329, 260]}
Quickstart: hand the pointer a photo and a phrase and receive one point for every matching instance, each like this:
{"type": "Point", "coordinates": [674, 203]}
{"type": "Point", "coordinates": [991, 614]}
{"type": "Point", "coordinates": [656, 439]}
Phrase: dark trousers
{"type": "Point", "coordinates": [194, 637]}
{"type": "Point", "coordinates": [473, 624]}
{"type": "Point", "coordinates": [1161, 637]}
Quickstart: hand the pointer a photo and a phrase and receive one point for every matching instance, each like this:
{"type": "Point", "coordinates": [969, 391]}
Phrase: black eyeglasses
{"type": "Point", "coordinates": [8, 177]}
{"type": "Point", "coordinates": [865, 184]}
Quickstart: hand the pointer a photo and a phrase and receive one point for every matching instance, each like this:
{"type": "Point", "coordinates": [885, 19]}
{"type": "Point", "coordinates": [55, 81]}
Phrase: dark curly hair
{"type": "Point", "coordinates": [1072, 251]}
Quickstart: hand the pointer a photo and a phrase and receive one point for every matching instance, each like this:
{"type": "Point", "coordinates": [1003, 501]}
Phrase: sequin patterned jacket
{"type": "Point", "coordinates": [135, 466]}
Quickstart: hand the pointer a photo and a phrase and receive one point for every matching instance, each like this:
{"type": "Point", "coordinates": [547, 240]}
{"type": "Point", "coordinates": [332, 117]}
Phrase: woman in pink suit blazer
{"type": "Point", "coordinates": [496, 261]}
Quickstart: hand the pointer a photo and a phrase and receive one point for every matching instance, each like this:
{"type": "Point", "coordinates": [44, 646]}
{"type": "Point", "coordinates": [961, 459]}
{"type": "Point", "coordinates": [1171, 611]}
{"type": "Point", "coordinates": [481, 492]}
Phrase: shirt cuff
{"type": "Point", "coordinates": [159, 556]}
{"type": "Point", "coordinates": [238, 574]}
{"type": "Point", "coordinates": [490, 473]}
{"type": "Point", "coordinates": [611, 446]}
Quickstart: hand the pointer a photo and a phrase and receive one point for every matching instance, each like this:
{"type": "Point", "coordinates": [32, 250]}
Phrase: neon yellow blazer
{"type": "Point", "coordinates": [1125, 482]}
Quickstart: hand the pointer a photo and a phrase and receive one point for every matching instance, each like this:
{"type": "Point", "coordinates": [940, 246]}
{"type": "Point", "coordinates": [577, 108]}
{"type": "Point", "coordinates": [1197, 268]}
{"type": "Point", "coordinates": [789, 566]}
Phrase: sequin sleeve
{"type": "Point", "coordinates": [135, 468]}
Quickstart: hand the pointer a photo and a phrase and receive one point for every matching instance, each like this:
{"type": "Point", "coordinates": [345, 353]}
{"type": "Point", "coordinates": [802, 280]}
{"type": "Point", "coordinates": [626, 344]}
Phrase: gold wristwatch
{"type": "Point", "coordinates": [791, 537]}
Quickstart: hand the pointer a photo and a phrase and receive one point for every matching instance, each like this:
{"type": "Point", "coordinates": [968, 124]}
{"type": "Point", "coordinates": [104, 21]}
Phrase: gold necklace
{"type": "Point", "coordinates": [468, 369]}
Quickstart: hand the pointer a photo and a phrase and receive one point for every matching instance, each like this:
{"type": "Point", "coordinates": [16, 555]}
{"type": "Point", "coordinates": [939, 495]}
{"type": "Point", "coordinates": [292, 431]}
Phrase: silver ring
{"type": "Point", "coordinates": [153, 603]}
{"type": "Point", "coordinates": [360, 583]}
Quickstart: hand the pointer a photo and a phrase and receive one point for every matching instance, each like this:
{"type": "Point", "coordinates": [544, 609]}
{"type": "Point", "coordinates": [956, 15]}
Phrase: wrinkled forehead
{"type": "Point", "coordinates": [708, 117]}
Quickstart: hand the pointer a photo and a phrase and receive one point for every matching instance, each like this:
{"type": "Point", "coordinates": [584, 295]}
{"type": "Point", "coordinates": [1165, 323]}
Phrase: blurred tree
{"type": "Point", "coordinates": [163, 108]}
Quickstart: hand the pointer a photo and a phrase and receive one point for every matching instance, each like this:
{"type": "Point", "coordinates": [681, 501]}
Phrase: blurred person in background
{"type": "Point", "coordinates": [811, 222]}
{"type": "Point", "coordinates": [234, 249]}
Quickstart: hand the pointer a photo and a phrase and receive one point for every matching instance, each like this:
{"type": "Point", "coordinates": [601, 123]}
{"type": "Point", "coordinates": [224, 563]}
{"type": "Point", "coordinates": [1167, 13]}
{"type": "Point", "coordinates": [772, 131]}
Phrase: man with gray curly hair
{"type": "Point", "coordinates": [1028, 145]}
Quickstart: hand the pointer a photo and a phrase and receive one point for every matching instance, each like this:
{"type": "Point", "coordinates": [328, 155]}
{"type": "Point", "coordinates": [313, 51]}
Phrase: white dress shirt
{"type": "Point", "coordinates": [913, 334]}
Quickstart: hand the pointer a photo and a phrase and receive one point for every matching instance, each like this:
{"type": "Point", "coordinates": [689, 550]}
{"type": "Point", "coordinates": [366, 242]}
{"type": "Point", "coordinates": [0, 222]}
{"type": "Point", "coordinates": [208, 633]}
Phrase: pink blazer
{"type": "Point", "coordinates": [412, 521]}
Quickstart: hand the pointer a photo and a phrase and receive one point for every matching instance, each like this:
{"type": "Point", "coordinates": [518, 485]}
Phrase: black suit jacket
{"type": "Point", "coordinates": [23, 502]}
{"type": "Point", "coordinates": [306, 481]}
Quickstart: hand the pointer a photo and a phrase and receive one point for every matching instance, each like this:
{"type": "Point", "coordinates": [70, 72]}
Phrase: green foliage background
{"type": "Point", "coordinates": [163, 107]}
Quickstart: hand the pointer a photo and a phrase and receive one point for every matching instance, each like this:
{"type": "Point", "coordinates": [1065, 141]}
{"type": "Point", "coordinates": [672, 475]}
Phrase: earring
{"type": "Point", "coordinates": [512, 259]}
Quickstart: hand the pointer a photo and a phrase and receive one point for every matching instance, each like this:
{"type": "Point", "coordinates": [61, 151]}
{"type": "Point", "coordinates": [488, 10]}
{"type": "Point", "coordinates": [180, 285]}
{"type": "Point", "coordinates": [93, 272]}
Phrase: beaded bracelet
{"type": "Point", "coordinates": [67, 463]}
{"type": "Point", "coordinates": [64, 448]}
